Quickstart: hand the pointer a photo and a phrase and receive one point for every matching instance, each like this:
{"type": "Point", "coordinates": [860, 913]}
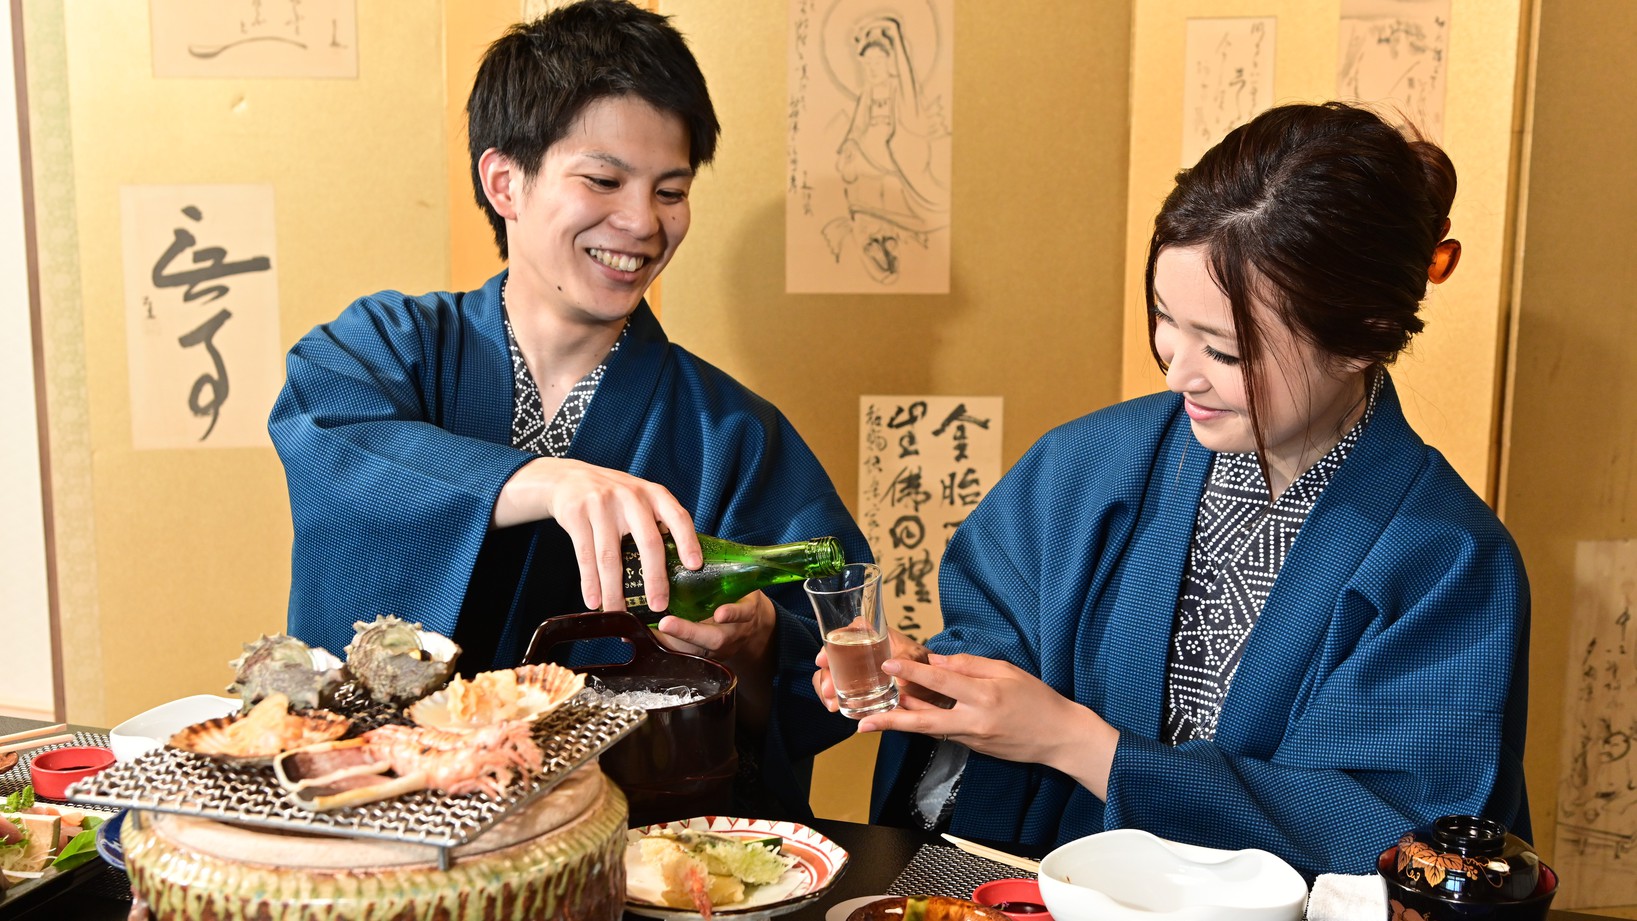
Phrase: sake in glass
{"type": "Point", "coordinates": [854, 624]}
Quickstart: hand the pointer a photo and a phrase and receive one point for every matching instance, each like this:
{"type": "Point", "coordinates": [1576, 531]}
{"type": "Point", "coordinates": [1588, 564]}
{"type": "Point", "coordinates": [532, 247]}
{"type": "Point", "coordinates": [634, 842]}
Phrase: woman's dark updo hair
{"type": "Point", "coordinates": [1326, 212]}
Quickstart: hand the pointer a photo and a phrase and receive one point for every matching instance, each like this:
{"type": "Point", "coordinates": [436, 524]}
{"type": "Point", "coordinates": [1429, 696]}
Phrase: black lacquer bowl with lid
{"type": "Point", "coordinates": [1464, 867]}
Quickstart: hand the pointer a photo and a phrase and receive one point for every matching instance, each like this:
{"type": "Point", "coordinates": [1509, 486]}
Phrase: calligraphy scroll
{"type": "Point", "coordinates": [254, 38]}
{"type": "Point", "coordinates": [1394, 57]}
{"type": "Point", "coordinates": [870, 131]}
{"type": "Point", "coordinates": [1228, 81]}
{"type": "Point", "coordinates": [201, 314]}
{"type": "Point", "coordinates": [1596, 852]}
{"type": "Point", "coordinates": [924, 463]}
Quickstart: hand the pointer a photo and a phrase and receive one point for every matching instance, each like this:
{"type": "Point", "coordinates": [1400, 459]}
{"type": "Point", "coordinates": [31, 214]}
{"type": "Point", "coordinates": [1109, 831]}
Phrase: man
{"type": "Point", "coordinates": [474, 460]}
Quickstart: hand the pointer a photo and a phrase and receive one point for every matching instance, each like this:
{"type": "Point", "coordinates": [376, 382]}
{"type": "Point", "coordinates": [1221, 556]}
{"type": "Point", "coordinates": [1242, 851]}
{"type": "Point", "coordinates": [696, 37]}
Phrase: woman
{"type": "Point", "coordinates": [1099, 667]}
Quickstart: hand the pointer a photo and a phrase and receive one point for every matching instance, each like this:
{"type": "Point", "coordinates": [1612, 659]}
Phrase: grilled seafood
{"type": "Point", "coordinates": [268, 729]}
{"type": "Point", "coordinates": [483, 760]}
{"type": "Point", "coordinates": [398, 661]}
{"type": "Point", "coordinates": [524, 693]}
{"type": "Point", "coordinates": [281, 664]}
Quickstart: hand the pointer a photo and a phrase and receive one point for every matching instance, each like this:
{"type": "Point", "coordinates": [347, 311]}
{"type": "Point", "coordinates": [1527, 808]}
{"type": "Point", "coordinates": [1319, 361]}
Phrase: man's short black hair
{"type": "Point", "coordinates": [538, 77]}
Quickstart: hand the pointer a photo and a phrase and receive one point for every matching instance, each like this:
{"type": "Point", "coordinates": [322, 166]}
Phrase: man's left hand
{"type": "Point", "coordinates": [740, 635]}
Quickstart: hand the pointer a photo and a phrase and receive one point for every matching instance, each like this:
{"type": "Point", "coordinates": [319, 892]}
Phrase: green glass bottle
{"type": "Point", "coordinates": [731, 572]}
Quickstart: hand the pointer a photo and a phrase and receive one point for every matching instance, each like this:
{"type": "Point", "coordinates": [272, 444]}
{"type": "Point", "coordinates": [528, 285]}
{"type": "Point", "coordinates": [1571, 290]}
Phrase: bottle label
{"type": "Point", "coordinates": [633, 574]}
{"type": "Point", "coordinates": [636, 600]}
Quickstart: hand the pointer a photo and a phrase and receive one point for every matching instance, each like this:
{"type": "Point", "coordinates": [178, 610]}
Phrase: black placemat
{"type": "Point", "coordinates": [939, 870]}
{"type": "Point", "coordinates": [17, 777]}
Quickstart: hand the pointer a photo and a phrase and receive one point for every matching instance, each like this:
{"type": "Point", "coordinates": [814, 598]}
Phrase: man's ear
{"type": "Point", "coordinates": [502, 182]}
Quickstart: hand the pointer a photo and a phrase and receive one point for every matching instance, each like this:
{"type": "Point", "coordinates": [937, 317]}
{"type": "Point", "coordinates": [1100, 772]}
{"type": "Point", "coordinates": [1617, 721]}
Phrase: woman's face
{"type": "Point", "coordinates": [1309, 397]}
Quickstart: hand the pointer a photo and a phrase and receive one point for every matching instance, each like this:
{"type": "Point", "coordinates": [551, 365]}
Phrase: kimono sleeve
{"type": "Point", "coordinates": [1414, 709]}
{"type": "Point", "coordinates": [1021, 571]}
{"type": "Point", "coordinates": [389, 506]}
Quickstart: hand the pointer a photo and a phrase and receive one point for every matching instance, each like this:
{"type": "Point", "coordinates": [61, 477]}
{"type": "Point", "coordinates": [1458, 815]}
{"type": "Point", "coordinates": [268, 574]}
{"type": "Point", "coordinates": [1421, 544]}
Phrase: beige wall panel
{"type": "Point", "coordinates": [469, 28]}
{"type": "Point", "coordinates": [193, 546]}
{"type": "Point", "coordinates": [1450, 378]}
{"type": "Point", "coordinates": [25, 615]}
{"type": "Point", "coordinates": [1039, 116]}
{"type": "Point", "coordinates": [1569, 472]}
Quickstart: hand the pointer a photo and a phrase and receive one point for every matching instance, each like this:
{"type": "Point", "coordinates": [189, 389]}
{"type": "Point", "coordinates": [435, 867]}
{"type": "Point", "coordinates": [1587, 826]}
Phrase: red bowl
{"type": "Point", "coordinates": [1012, 894]}
{"type": "Point", "coordinates": [52, 771]}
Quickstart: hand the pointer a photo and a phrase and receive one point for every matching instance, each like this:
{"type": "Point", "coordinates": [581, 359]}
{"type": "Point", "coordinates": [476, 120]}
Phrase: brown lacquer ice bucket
{"type": "Point", "coordinates": [680, 762]}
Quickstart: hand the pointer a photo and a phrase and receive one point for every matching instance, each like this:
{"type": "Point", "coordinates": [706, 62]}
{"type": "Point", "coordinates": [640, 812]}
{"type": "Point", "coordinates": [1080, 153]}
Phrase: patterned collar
{"type": "Point", "coordinates": [531, 431]}
{"type": "Point", "coordinates": [1239, 544]}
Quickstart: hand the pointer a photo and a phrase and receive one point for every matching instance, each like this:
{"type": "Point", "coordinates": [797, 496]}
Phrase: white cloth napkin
{"type": "Point", "coordinates": [1337, 897]}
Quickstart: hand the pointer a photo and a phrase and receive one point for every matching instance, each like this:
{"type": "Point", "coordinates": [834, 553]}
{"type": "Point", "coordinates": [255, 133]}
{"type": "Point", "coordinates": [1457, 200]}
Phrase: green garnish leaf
{"type": "Point", "coordinates": [22, 799]}
{"type": "Point", "coordinates": [81, 848]}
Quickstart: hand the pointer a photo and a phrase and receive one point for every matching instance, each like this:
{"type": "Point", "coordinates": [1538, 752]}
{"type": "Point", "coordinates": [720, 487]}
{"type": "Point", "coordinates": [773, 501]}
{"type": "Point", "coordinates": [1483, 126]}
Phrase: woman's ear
{"type": "Point", "coordinates": [1343, 367]}
{"type": "Point", "coordinates": [502, 182]}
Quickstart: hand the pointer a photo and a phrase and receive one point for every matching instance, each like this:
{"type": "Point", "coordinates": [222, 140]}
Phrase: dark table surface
{"type": "Point", "coordinates": [877, 857]}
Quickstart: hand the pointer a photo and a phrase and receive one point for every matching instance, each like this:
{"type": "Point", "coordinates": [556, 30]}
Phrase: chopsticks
{"type": "Point", "coordinates": [989, 853]}
{"type": "Point", "coordinates": [32, 738]}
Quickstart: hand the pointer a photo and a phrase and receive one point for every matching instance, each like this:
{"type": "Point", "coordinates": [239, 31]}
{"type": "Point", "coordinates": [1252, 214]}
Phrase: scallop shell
{"type": "Point", "coordinates": [253, 738]}
{"type": "Point", "coordinates": [523, 693]}
{"type": "Point", "coordinates": [281, 664]}
{"type": "Point", "coordinates": [398, 661]}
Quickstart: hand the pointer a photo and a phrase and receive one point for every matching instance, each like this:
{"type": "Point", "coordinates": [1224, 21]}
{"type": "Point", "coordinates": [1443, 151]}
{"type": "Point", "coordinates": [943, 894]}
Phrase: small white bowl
{"type": "Point", "coordinates": [1130, 875]}
{"type": "Point", "coordinates": [150, 730]}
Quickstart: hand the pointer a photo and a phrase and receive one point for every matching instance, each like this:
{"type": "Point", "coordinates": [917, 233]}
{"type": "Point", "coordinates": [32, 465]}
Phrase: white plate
{"type": "Point", "coordinates": [147, 731]}
{"type": "Point", "coordinates": [819, 862]}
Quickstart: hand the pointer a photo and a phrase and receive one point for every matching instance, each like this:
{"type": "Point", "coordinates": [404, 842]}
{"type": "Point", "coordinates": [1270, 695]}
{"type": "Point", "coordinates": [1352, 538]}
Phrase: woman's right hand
{"type": "Point", "coordinates": [903, 647]}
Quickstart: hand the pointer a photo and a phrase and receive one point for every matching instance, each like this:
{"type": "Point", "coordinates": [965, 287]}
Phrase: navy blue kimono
{"type": "Point", "coordinates": [394, 427]}
{"type": "Point", "coordinates": [1384, 685]}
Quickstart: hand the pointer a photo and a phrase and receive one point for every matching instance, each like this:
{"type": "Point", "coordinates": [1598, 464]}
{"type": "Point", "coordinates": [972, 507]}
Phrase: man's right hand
{"type": "Point", "coordinates": [598, 507]}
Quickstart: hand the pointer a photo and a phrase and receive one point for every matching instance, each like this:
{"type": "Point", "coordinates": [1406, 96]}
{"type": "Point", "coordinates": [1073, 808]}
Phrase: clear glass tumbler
{"type": "Point", "coordinates": [853, 621]}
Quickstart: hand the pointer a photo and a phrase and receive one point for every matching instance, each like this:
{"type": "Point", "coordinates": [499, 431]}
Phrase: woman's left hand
{"type": "Point", "coordinates": [1005, 712]}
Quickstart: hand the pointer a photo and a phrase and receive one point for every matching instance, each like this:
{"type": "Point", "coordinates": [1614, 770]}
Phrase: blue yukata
{"type": "Point", "coordinates": [1384, 684]}
{"type": "Point", "coordinates": [395, 428]}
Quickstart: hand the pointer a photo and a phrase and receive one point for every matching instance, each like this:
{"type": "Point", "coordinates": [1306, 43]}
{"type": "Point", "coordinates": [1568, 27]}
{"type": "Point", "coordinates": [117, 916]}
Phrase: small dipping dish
{"type": "Point", "coordinates": [1018, 899]}
{"type": "Point", "coordinates": [52, 771]}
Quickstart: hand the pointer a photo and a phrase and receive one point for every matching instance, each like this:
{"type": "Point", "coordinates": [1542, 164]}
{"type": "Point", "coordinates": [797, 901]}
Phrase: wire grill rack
{"type": "Point", "coordinates": [171, 780]}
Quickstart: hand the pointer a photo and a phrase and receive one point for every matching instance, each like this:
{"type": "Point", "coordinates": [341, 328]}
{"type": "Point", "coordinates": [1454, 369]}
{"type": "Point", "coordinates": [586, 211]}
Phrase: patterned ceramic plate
{"type": "Point", "coordinates": [819, 862]}
{"type": "Point", "coordinates": [108, 843]}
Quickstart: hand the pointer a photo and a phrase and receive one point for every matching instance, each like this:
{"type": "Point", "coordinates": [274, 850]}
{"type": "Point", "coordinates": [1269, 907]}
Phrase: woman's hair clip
{"type": "Point", "coordinates": [1445, 256]}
